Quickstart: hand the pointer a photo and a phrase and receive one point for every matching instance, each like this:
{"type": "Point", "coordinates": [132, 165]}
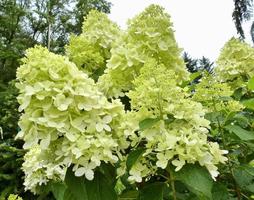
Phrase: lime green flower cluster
{"type": "Point", "coordinates": [66, 119]}
{"type": "Point", "coordinates": [42, 165]}
{"type": "Point", "coordinates": [149, 35]}
{"type": "Point", "coordinates": [235, 63]}
{"type": "Point", "coordinates": [14, 197]}
{"type": "Point", "coordinates": [178, 134]}
{"type": "Point", "coordinates": [90, 50]}
{"type": "Point", "coordinates": [215, 96]}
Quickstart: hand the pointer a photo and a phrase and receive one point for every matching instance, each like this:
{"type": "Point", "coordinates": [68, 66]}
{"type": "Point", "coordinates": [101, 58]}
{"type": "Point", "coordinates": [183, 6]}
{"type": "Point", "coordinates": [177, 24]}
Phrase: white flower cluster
{"type": "Point", "coordinates": [149, 35]}
{"type": "Point", "coordinates": [235, 63]}
{"type": "Point", "coordinates": [90, 50]}
{"type": "Point", "coordinates": [178, 134]}
{"type": "Point", "coordinates": [66, 120]}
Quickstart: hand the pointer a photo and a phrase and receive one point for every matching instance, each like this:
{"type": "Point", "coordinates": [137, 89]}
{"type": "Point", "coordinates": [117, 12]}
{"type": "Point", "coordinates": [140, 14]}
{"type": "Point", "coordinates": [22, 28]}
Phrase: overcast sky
{"type": "Point", "coordinates": [201, 26]}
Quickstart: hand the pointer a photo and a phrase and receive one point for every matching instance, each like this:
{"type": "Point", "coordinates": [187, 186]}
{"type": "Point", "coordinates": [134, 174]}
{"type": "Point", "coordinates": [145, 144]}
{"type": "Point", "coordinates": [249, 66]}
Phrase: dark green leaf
{"type": "Point", "coordinates": [100, 189]}
{"type": "Point", "coordinates": [78, 188]}
{"type": "Point", "coordinates": [244, 176]}
{"type": "Point", "coordinates": [238, 93]}
{"type": "Point", "coordinates": [129, 195]}
{"type": "Point", "coordinates": [147, 123]}
{"type": "Point", "coordinates": [240, 132]}
{"type": "Point", "coordinates": [109, 172]}
{"type": "Point", "coordinates": [215, 117]}
{"type": "Point", "coordinates": [242, 120]}
{"type": "Point", "coordinates": [133, 157]}
{"type": "Point", "coordinates": [153, 191]}
{"type": "Point", "coordinates": [197, 179]}
{"type": "Point", "coordinates": [68, 195]}
{"type": "Point", "coordinates": [220, 192]}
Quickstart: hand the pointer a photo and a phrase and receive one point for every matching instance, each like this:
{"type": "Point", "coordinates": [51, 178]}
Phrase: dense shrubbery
{"type": "Point", "coordinates": [118, 119]}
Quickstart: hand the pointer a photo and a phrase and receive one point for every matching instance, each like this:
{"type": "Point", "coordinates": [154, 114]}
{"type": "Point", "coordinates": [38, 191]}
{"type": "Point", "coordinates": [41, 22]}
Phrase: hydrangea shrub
{"type": "Point", "coordinates": [79, 133]}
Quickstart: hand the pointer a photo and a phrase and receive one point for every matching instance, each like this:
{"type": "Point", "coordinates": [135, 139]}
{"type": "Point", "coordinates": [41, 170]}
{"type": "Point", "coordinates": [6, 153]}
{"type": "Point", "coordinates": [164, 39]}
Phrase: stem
{"type": "Point", "coordinates": [172, 183]}
{"type": "Point", "coordinates": [49, 24]}
{"type": "Point", "coordinates": [48, 45]}
{"type": "Point", "coordinates": [173, 188]}
{"type": "Point", "coordinates": [159, 98]}
{"type": "Point", "coordinates": [237, 190]}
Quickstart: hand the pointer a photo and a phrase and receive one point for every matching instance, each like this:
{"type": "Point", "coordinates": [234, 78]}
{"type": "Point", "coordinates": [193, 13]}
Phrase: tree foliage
{"type": "Point", "coordinates": [25, 23]}
{"type": "Point", "coordinates": [242, 12]}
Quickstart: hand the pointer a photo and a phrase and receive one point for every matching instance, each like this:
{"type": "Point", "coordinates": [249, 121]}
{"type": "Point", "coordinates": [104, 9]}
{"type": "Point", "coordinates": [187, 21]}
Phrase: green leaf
{"type": "Point", "coordinates": [133, 157]}
{"type": "Point", "coordinates": [238, 93]}
{"type": "Point", "coordinates": [129, 195]}
{"type": "Point", "coordinates": [100, 189]}
{"type": "Point", "coordinates": [242, 120]}
{"type": "Point", "coordinates": [109, 172]}
{"type": "Point", "coordinates": [195, 75]}
{"type": "Point", "coordinates": [220, 192]}
{"type": "Point", "coordinates": [249, 103]}
{"type": "Point", "coordinates": [197, 179]}
{"type": "Point", "coordinates": [147, 123]}
{"type": "Point", "coordinates": [68, 195]}
{"type": "Point", "coordinates": [119, 186]}
{"type": "Point", "coordinates": [244, 177]}
{"type": "Point", "coordinates": [153, 191]}
{"type": "Point", "coordinates": [58, 190]}
{"type": "Point", "coordinates": [251, 84]}
{"type": "Point", "coordinates": [240, 132]}
{"type": "Point", "coordinates": [78, 188]}
{"type": "Point", "coordinates": [215, 117]}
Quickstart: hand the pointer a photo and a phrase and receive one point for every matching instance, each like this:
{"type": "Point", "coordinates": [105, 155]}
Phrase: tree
{"type": "Point", "coordinates": [194, 65]}
{"type": "Point", "coordinates": [52, 21]}
{"type": "Point", "coordinates": [242, 12]}
{"type": "Point", "coordinates": [206, 64]}
{"type": "Point", "coordinates": [25, 23]}
{"type": "Point", "coordinates": [191, 63]}
{"type": "Point", "coordinates": [82, 9]}
{"type": "Point", "coordinates": [13, 40]}
{"type": "Point", "coordinates": [48, 23]}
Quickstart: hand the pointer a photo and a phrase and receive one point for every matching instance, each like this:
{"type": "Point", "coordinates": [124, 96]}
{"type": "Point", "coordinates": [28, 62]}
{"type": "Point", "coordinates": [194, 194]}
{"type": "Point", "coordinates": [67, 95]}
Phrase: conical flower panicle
{"type": "Point", "coordinates": [66, 120]}
{"type": "Point", "coordinates": [149, 36]}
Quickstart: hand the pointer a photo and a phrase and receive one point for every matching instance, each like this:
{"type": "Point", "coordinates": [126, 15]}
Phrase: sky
{"type": "Point", "coordinates": [201, 27]}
